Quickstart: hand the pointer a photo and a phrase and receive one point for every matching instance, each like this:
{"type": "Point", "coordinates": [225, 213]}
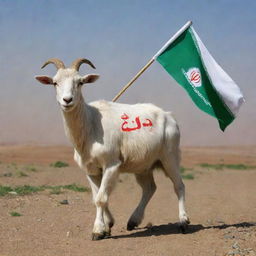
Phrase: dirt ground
{"type": "Point", "coordinates": [221, 203]}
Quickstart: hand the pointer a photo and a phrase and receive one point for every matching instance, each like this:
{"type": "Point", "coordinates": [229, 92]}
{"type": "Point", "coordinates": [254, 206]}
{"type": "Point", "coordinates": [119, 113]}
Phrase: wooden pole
{"type": "Point", "coordinates": [173, 38]}
{"type": "Point", "coordinates": [133, 80]}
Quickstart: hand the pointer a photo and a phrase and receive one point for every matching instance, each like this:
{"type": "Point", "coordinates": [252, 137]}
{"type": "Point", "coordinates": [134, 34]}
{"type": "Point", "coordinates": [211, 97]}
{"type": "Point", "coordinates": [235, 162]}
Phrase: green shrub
{"type": "Point", "coordinates": [5, 190]}
{"type": "Point", "coordinates": [227, 166]}
{"type": "Point", "coordinates": [21, 174]}
{"type": "Point", "coordinates": [188, 176]}
{"type": "Point", "coordinates": [31, 168]}
{"type": "Point", "coordinates": [59, 164]}
{"type": "Point", "coordinates": [15, 214]}
{"type": "Point", "coordinates": [27, 189]}
{"type": "Point", "coordinates": [76, 188]}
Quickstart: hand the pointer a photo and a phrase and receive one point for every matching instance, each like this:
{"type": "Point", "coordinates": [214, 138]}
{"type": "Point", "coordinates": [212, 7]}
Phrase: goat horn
{"type": "Point", "coordinates": [77, 63]}
{"type": "Point", "coordinates": [58, 63]}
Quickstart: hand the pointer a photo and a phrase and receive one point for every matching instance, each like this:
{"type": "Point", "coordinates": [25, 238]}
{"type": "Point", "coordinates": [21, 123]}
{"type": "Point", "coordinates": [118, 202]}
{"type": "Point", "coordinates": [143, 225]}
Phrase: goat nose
{"type": "Point", "coordinates": [68, 99]}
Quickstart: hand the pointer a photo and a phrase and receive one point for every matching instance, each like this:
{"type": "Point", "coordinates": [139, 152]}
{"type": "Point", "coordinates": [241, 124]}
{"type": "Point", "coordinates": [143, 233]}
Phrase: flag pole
{"type": "Point", "coordinates": [173, 38]}
{"type": "Point", "coordinates": [133, 80]}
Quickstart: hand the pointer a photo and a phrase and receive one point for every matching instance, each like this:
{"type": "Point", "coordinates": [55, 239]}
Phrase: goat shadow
{"type": "Point", "coordinates": [173, 228]}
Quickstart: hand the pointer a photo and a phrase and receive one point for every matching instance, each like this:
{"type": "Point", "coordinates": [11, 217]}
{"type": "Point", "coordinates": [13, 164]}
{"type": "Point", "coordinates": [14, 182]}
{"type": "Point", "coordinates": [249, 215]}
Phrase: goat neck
{"type": "Point", "coordinates": [75, 125]}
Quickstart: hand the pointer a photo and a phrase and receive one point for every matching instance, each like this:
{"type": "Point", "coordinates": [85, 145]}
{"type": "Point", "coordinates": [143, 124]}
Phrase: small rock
{"type": "Point", "coordinates": [7, 174]}
{"type": "Point", "coordinates": [220, 221]}
{"type": "Point", "coordinates": [12, 193]}
{"type": "Point", "coordinates": [64, 201]}
{"type": "Point", "coordinates": [209, 222]}
{"type": "Point", "coordinates": [234, 253]}
{"type": "Point", "coordinates": [236, 246]}
{"type": "Point", "coordinates": [149, 225]}
{"type": "Point", "coordinates": [229, 236]}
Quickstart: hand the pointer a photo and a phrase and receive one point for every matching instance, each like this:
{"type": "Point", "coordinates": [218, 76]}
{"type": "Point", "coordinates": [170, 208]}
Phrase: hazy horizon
{"type": "Point", "coordinates": [119, 37]}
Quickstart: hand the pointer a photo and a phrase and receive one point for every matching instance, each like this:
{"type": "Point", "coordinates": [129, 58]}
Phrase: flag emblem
{"type": "Point", "coordinates": [194, 77]}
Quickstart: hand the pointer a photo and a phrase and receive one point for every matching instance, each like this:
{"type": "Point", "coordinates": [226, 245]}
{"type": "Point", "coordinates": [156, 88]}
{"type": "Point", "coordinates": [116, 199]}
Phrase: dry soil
{"type": "Point", "coordinates": [221, 204]}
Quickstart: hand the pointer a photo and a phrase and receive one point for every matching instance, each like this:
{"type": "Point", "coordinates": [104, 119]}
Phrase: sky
{"type": "Point", "coordinates": [120, 37]}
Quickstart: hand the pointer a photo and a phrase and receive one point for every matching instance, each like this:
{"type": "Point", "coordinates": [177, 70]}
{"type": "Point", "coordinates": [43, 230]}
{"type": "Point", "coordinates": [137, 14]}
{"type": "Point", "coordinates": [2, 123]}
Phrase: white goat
{"type": "Point", "coordinates": [111, 138]}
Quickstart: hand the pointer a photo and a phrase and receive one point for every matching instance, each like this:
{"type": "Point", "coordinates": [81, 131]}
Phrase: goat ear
{"type": "Point", "coordinates": [91, 78]}
{"type": "Point", "coordinates": [44, 79]}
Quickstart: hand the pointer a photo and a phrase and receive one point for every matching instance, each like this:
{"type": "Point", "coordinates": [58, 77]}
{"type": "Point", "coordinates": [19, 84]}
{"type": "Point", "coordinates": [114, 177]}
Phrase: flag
{"type": "Point", "coordinates": [188, 61]}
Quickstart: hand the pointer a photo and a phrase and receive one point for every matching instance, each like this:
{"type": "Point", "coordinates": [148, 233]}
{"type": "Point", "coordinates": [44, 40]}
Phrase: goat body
{"type": "Point", "coordinates": [96, 132]}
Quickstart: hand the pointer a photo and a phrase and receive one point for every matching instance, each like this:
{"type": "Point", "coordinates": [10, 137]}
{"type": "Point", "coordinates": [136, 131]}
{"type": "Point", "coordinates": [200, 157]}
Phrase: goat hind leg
{"type": "Point", "coordinates": [147, 183]}
{"type": "Point", "coordinates": [172, 169]}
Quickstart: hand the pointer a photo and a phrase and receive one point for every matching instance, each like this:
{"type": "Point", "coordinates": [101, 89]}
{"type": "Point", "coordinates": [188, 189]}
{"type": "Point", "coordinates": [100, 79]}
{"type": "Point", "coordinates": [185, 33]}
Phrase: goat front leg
{"type": "Point", "coordinates": [102, 229]}
{"type": "Point", "coordinates": [95, 181]}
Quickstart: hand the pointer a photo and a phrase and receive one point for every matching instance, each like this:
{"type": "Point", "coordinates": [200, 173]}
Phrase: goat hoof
{"type": "Point", "coordinates": [98, 236]}
{"type": "Point", "coordinates": [131, 225]}
{"type": "Point", "coordinates": [184, 227]}
{"type": "Point", "coordinates": [111, 224]}
{"type": "Point", "coordinates": [107, 233]}
{"type": "Point", "coordinates": [187, 221]}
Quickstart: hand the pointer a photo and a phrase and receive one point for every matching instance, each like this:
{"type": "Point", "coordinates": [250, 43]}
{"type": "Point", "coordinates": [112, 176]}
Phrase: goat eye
{"type": "Point", "coordinates": [54, 83]}
{"type": "Point", "coordinates": [80, 83]}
